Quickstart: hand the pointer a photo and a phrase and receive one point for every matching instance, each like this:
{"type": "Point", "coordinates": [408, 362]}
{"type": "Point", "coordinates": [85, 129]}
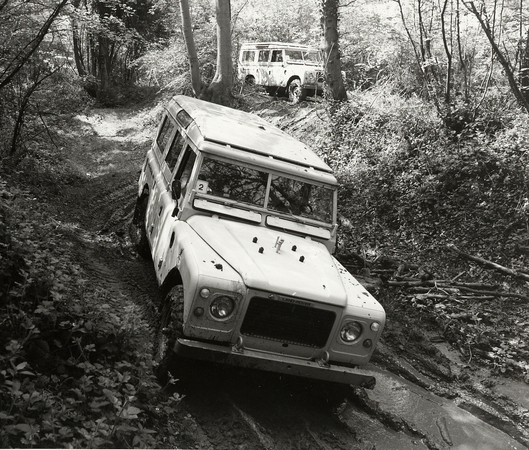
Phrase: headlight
{"type": "Point", "coordinates": [350, 332]}
{"type": "Point", "coordinates": [222, 307]}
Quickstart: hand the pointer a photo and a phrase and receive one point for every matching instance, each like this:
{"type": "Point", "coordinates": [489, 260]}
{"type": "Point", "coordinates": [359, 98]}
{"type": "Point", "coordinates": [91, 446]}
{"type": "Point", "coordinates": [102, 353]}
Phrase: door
{"type": "Point", "coordinates": [170, 206]}
{"type": "Point", "coordinates": [162, 192]}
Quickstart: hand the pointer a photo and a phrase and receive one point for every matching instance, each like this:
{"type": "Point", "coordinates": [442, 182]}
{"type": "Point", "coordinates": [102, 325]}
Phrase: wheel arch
{"type": "Point", "coordinates": [292, 78]}
{"type": "Point", "coordinates": [173, 278]}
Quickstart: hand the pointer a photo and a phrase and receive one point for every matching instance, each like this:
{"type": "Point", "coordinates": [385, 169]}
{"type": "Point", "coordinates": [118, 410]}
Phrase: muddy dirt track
{"type": "Point", "coordinates": [420, 402]}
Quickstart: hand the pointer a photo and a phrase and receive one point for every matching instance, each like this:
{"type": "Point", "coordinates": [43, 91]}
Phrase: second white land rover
{"type": "Point", "coordinates": [282, 67]}
{"type": "Point", "coordinates": [240, 222]}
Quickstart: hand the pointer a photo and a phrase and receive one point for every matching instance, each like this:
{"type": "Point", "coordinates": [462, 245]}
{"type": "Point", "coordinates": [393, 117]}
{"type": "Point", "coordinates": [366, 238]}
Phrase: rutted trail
{"type": "Point", "coordinates": [228, 408]}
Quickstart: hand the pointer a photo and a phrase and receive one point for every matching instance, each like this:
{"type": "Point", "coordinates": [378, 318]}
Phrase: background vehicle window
{"type": "Point", "coordinates": [293, 55]}
{"type": "Point", "coordinates": [277, 56]}
{"type": "Point", "coordinates": [248, 56]}
{"type": "Point", "coordinates": [264, 55]}
{"type": "Point", "coordinates": [165, 133]}
{"type": "Point", "coordinates": [174, 151]}
{"type": "Point", "coordinates": [312, 56]}
{"type": "Point", "coordinates": [301, 199]}
{"type": "Point", "coordinates": [234, 182]}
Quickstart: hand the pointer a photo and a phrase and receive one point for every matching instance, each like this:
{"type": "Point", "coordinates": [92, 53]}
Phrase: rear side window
{"type": "Point", "coordinates": [165, 133]}
{"type": "Point", "coordinates": [248, 56]}
{"type": "Point", "coordinates": [184, 118]}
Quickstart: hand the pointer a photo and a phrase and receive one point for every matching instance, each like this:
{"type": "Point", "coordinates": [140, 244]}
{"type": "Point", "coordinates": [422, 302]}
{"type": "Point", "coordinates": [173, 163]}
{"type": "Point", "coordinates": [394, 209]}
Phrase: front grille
{"type": "Point", "coordinates": [288, 322]}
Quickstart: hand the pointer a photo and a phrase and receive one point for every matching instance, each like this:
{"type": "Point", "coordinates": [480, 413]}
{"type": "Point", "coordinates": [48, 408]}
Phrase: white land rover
{"type": "Point", "coordinates": [240, 221]}
{"type": "Point", "coordinates": [282, 67]}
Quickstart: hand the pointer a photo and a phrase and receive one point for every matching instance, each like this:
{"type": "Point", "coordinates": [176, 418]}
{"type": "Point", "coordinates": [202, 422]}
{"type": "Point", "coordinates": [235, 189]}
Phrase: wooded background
{"type": "Point", "coordinates": [427, 135]}
{"type": "Point", "coordinates": [455, 54]}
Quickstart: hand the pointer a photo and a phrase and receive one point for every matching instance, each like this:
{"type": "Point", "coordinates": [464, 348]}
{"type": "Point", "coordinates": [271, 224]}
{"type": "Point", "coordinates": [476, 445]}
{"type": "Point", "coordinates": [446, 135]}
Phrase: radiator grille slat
{"type": "Point", "coordinates": [288, 322]}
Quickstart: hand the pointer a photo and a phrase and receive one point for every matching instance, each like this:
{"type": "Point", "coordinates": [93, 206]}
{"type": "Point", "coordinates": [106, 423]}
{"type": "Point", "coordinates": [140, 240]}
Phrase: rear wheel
{"type": "Point", "coordinates": [296, 93]}
{"type": "Point", "coordinates": [138, 234]}
{"type": "Point", "coordinates": [170, 327]}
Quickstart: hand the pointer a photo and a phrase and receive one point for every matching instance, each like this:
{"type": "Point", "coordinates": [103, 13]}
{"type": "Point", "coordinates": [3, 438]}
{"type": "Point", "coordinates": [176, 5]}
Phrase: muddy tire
{"type": "Point", "coordinates": [295, 93]}
{"type": "Point", "coordinates": [170, 327]}
{"type": "Point", "coordinates": [137, 232]}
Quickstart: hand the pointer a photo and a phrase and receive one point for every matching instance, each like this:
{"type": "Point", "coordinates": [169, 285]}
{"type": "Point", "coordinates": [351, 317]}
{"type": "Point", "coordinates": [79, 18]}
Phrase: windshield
{"type": "Point", "coordinates": [312, 56]}
{"type": "Point", "coordinates": [278, 193]}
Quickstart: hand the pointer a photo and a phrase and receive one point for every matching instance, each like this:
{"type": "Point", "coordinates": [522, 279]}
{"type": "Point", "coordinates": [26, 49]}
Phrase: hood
{"type": "Point", "coordinates": [301, 268]}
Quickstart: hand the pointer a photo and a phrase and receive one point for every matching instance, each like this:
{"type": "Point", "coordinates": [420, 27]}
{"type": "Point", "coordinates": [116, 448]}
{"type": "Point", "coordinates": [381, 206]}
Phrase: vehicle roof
{"type": "Point", "coordinates": [259, 45]}
{"type": "Point", "coordinates": [246, 131]}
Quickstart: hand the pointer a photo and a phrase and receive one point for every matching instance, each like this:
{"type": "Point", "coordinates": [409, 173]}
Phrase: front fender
{"type": "Point", "coordinates": [197, 263]}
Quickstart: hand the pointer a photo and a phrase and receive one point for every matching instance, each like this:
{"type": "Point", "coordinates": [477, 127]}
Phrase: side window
{"type": "Point", "coordinates": [174, 151]}
{"type": "Point", "coordinates": [277, 56]}
{"type": "Point", "coordinates": [184, 118]}
{"type": "Point", "coordinates": [165, 133]}
{"type": "Point", "coordinates": [248, 56]}
{"type": "Point", "coordinates": [263, 55]}
{"type": "Point", "coordinates": [184, 172]}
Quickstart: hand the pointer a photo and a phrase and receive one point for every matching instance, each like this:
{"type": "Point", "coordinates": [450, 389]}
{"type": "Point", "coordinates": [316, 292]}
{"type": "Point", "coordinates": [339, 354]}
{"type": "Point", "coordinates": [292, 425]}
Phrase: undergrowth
{"type": "Point", "coordinates": [74, 372]}
{"type": "Point", "coordinates": [409, 183]}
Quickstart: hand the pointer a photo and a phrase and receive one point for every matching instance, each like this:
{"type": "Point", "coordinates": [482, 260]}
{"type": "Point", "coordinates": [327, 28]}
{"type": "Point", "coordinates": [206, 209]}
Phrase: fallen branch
{"type": "Point", "coordinates": [431, 296]}
{"type": "Point", "coordinates": [441, 284]}
{"type": "Point", "coordinates": [495, 293]}
{"type": "Point", "coordinates": [482, 291]}
{"type": "Point", "coordinates": [490, 264]}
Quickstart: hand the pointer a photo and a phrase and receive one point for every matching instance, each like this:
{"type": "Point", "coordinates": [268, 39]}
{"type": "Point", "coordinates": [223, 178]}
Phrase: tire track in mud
{"type": "Point", "coordinates": [224, 407]}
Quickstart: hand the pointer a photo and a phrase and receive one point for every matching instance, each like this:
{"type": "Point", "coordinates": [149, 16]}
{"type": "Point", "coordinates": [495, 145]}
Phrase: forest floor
{"type": "Point", "coordinates": [448, 363]}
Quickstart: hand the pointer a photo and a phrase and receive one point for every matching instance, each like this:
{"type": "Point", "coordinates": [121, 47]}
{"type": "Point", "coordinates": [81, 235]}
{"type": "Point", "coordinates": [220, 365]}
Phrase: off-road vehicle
{"type": "Point", "coordinates": [282, 67]}
{"type": "Point", "coordinates": [240, 222]}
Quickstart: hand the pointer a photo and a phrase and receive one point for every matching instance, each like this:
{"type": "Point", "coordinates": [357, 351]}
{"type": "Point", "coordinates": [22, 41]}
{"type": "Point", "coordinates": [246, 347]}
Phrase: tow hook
{"type": "Point", "coordinates": [324, 360]}
{"type": "Point", "coordinates": [239, 345]}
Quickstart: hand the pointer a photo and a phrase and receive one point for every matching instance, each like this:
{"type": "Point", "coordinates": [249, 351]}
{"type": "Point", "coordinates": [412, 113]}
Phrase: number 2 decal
{"type": "Point", "coordinates": [202, 186]}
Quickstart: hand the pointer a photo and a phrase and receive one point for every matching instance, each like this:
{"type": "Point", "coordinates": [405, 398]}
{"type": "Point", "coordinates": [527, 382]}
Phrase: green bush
{"type": "Point", "coordinates": [407, 179]}
{"type": "Point", "coordinates": [73, 373]}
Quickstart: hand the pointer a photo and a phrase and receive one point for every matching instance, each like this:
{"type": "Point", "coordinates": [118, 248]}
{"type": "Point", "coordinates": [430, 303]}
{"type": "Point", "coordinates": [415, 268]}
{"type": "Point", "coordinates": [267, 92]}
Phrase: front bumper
{"type": "Point", "coordinates": [274, 363]}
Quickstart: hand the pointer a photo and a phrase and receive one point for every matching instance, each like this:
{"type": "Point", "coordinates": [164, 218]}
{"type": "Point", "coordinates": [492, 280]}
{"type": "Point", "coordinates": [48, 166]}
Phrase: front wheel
{"type": "Point", "coordinates": [169, 328]}
{"type": "Point", "coordinates": [296, 93]}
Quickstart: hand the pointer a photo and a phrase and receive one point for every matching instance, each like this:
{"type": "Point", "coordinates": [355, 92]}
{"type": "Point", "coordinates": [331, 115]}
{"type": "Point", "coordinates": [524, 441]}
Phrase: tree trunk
{"type": "Point", "coordinates": [103, 70]}
{"type": "Point", "coordinates": [333, 66]}
{"type": "Point", "coordinates": [524, 69]}
{"type": "Point", "coordinates": [448, 53]}
{"type": "Point", "coordinates": [187, 30]}
{"type": "Point", "coordinates": [515, 89]}
{"type": "Point", "coordinates": [219, 91]}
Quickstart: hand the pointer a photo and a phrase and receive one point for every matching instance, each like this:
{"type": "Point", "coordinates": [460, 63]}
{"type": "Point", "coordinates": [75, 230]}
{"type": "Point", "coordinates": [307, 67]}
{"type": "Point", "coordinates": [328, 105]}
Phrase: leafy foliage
{"type": "Point", "coordinates": [401, 170]}
{"type": "Point", "coordinates": [72, 372]}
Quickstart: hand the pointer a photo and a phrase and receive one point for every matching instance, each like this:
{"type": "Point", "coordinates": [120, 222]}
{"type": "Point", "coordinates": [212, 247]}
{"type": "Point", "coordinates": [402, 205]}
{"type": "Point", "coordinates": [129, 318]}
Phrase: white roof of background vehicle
{"type": "Point", "coordinates": [246, 131]}
{"type": "Point", "coordinates": [277, 45]}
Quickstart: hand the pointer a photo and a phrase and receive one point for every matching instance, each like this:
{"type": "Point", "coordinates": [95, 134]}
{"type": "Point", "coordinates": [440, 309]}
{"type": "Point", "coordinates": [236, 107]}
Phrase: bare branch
{"type": "Point", "coordinates": [19, 60]}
